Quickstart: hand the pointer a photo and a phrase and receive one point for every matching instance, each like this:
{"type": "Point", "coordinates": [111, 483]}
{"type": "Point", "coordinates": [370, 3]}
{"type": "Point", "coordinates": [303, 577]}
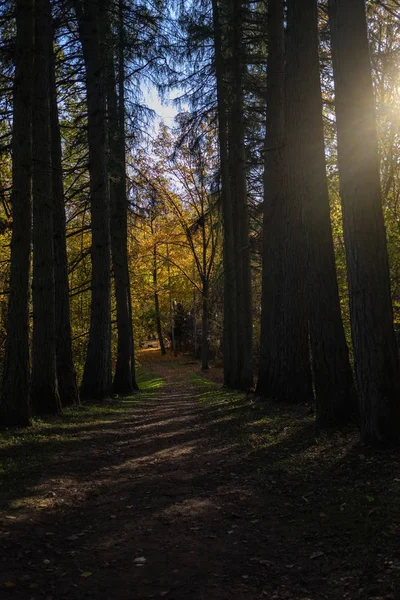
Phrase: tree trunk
{"type": "Point", "coordinates": [375, 352]}
{"type": "Point", "coordinates": [96, 376]}
{"type": "Point", "coordinates": [123, 383]}
{"type": "Point", "coordinates": [44, 393]}
{"type": "Point", "coordinates": [230, 333]}
{"type": "Point", "coordinates": [335, 394]}
{"type": "Point", "coordinates": [237, 161]}
{"type": "Point", "coordinates": [204, 332]}
{"type": "Point", "coordinates": [66, 375]}
{"type": "Point", "coordinates": [14, 401]}
{"type": "Point", "coordinates": [157, 303]}
{"type": "Point", "coordinates": [285, 372]}
{"type": "Point", "coordinates": [271, 314]}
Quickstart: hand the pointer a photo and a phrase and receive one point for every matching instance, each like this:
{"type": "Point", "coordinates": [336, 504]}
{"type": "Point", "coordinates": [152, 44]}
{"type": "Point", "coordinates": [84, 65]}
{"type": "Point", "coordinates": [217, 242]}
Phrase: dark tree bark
{"type": "Point", "coordinates": [66, 375]}
{"type": "Point", "coordinates": [237, 162]}
{"type": "Point", "coordinates": [14, 402]}
{"type": "Point", "coordinates": [230, 334]}
{"type": "Point", "coordinates": [271, 313]}
{"type": "Point", "coordinates": [96, 382]}
{"type": "Point", "coordinates": [375, 352]}
{"type": "Point", "coordinates": [285, 370]}
{"type": "Point", "coordinates": [44, 393]}
{"type": "Point", "coordinates": [124, 378]}
{"type": "Point", "coordinates": [335, 394]}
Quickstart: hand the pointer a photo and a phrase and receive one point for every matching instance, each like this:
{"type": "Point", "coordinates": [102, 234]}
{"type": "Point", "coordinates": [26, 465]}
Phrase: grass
{"type": "Point", "coordinates": [26, 453]}
{"type": "Point", "coordinates": [328, 486]}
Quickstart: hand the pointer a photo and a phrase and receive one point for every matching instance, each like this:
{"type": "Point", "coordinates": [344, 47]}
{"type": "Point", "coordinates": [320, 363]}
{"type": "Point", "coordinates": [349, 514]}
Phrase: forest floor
{"type": "Point", "coordinates": [187, 491]}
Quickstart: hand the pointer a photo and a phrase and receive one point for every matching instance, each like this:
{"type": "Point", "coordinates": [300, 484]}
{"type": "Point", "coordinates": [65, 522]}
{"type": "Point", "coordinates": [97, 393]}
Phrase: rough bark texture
{"type": "Point", "coordinates": [96, 376]}
{"type": "Point", "coordinates": [44, 393]}
{"type": "Point", "coordinates": [123, 382]}
{"type": "Point", "coordinates": [335, 394]}
{"type": "Point", "coordinates": [230, 335]}
{"type": "Point", "coordinates": [271, 314]}
{"type": "Point", "coordinates": [285, 372]}
{"type": "Point", "coordinates": [237, 162]}
{"type": "Point", "coordinates": [375, 352]}
{"type": "Point", "coordinates": [66, 375]}
{"type": "Point", "coordinates": [14, 402]}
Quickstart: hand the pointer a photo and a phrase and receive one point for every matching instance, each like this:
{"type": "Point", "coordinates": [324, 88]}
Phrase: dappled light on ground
{"type": "Point", "coordinates": [188, 490]}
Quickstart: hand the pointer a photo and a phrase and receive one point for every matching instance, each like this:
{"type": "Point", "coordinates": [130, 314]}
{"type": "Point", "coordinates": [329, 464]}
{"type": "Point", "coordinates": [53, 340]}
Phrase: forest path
{"type": "Point", "coordinates": [158, 503]}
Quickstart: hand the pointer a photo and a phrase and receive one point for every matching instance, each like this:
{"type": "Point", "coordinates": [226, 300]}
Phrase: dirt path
{"type": "Point", "coordinates": [157, 504]}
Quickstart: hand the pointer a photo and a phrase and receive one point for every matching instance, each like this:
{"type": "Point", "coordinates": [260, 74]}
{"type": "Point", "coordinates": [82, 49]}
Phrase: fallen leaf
{"type": "Point", "coordinates": [9, 585]}
{"type": "Point", "coordinates": [86, 574]}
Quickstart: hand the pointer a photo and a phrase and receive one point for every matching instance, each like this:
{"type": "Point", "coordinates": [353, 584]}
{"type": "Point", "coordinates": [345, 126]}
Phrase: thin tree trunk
{"type": "Point", "coordinates": [335, 394]}
{"type": "Point", "coordinates": [44, 393]}
{"type": "Point", "coordinates": [194, 324]}
{"type": "Point", "coordinates": [375, 352]}
{"type": "Point", "coordinates": [157, 303]}
{"type": "Point", "coordinates": [96, 376]}
{"type": "Point", "coordinates": [14, 401]}
{"type": "Point", "coordinates": [230, 331]}
{"type": "Point", "coordinates": [66, 375]}
{"type": "Point", "coordinates": [171, 308]}
{"type": "Point", "coordinates": [204, 333]}
{"type": "Point", "coordinates": [237, 161]}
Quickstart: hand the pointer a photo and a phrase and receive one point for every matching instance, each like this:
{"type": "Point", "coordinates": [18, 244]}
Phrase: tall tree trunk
{"type": "Point", "coordinates": [237, 161]}
{"type": "Point", "coordinates": [375, 352]}
{"type": "Point", "coordinates": [66, 375]}
{"type": "Point", "coordinates": [204, 333]}
{"type": "Point", "coordinates": [335, 394]}
{"type": "Point", "coordinates": [44, 393]}
{"type": "Point", "coordinates": [14, 401]}
{"type": "Point", "coordinates": [230, 333]}
{"type": "Point", "coordinates": [271, 306]}
{"type": "Point", "coordinates": [285, 370]}
{"type": "Point", "coordinates": [124, 381]}
{"type": "Point", "coordinates": [96, 376]}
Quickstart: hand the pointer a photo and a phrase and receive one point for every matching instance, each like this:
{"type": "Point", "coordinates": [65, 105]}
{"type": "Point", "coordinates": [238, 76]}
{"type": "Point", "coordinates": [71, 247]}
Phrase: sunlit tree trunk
{"type": "Point", "coordinates": [375, 351]}
{"type": "Point", "coordinates": [14, 401]}
{"type": "Point", "coordinates": [44, 393]}
{"type": "Point", "coordinates": [334, 389]}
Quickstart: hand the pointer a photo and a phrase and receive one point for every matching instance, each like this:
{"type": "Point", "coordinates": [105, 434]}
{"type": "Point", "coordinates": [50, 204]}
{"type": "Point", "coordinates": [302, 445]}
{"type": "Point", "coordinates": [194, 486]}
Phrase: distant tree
{"type": "Point", "coordinates": [375, 352]}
